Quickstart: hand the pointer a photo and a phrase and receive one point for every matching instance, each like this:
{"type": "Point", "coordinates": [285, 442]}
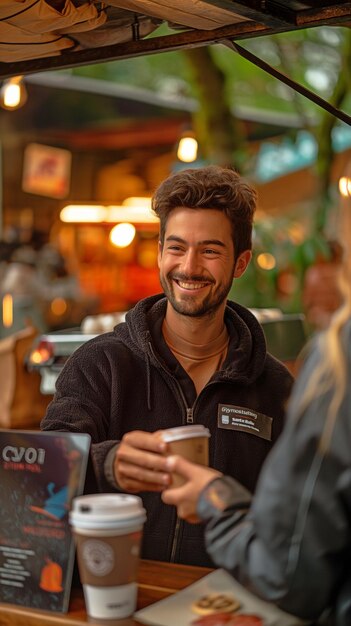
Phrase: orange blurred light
{"type": "Point", "coordinates": [58, 306]}
{"type": "Point", "coordinates": [42, 353]}
{"type": "Point", "coordinates": [266, 261]}
{"type": "Point", "coordinates": [7, 310]}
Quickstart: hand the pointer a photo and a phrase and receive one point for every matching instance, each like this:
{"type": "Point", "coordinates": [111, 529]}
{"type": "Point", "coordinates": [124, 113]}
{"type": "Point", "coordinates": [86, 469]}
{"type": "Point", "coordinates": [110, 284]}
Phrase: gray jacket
{"type": "Point", "coordinates": [293, 546]}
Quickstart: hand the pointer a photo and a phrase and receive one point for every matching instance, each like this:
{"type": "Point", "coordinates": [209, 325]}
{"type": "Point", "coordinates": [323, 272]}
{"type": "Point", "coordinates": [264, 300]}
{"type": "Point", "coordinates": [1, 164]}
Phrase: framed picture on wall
{"type": "Point", "coordinates": [46, 170]}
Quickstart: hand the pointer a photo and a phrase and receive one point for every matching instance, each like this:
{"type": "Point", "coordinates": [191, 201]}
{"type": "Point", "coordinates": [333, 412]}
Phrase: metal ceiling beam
{"type": "Point", "coordinates": [246, 29]}
{"type": "Point", "coordinates": [152, 45]}
{"type": "Point", "coordinates": [253, 10]}
{"type": "Point", "coordinates": [304, 17]}
{"type": "Point", "coordinates": [277, 14]}
{"type": "Point", "coordinates": [313, 97]}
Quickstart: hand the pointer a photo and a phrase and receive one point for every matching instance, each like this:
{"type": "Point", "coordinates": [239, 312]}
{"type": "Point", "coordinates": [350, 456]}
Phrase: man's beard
{"type": "Point", "coordinates": [188, 305]}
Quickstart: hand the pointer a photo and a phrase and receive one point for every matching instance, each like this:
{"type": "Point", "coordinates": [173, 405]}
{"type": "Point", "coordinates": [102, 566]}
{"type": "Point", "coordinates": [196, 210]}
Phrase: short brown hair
{"type": "Point", "coordinates": [210, 187]}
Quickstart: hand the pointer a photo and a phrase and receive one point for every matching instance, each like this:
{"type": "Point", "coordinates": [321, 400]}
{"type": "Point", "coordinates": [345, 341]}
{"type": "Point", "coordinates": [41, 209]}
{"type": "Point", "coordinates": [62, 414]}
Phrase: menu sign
{"type": "Point", "coordinates": [40, 473]}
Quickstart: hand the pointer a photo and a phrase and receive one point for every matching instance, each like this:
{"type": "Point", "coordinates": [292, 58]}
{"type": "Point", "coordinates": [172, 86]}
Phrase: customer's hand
{"type": "Point", "coordinates": [185, 498]}
{"type": "Point", "coordinates": [139, 464]}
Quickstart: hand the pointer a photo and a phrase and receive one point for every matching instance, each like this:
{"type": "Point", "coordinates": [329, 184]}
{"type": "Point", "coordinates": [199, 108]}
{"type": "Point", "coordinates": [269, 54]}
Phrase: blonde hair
{"type": "Point", "coordinates": [331, 374]}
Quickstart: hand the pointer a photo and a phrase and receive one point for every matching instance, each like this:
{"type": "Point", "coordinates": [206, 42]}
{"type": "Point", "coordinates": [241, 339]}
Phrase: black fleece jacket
{"type": "Point", "coordinates": [128, 380]}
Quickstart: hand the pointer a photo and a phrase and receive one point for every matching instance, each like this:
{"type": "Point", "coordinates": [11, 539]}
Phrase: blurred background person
{"type": "Point", "coordinates": [321, 294]}
{"type": "Point", "coordinates": [65, 303]}
{"type": "Point", "coordinates": [21, 280]}
{"type": "Point", "coordinates": [6, 251]}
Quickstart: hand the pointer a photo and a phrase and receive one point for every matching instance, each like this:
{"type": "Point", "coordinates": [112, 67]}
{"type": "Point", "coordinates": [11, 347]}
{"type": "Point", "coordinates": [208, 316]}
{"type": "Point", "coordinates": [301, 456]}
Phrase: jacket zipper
{"type": "Point", "coordinates": [190, 416]}
{"type": "Point", "coordinates": [175, 541]}
{"type": "Point", "coordinates": [189, 411]}
{"type": "Point", "coordinates": [188, 420]}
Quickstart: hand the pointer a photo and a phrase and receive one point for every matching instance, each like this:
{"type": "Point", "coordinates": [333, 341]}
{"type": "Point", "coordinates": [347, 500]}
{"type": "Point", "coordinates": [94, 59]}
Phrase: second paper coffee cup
{"type": "Point", "coordinates": [107, 529]}
{"type": "Point", "coordinates": [191, 442]}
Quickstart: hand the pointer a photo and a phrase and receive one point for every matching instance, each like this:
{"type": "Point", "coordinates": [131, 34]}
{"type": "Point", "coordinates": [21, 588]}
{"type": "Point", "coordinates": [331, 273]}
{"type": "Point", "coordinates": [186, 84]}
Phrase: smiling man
{"type": "Point", "coordinates": [185, 356]}
{"type": "Point", "coordinates": [197, 267]}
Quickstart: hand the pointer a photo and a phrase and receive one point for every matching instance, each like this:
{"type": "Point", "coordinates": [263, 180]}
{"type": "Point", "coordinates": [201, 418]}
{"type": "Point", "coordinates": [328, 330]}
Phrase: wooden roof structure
{"type": "Point", "coordinates": [43, 35]}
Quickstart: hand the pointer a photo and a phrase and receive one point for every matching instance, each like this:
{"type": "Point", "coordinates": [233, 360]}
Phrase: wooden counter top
{"type": "Point", "coordinates": [156, 580]}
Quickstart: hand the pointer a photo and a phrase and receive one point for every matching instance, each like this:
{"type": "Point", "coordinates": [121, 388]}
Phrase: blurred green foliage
{"type": "Point", "coordinates": [292, 246]}
{"type": "Point", "coordinates": [317, 58]}
{"type": "Point", "coordinates": [312, 57]}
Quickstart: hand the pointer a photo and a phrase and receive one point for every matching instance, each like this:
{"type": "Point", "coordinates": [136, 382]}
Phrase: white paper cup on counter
{"type": "Point", "coordinates": [107, 529]}
{"type": "Point", "coordinates": [190, 442]}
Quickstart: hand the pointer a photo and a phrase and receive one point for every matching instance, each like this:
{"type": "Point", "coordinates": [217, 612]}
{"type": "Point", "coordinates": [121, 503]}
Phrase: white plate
{"type": "Point", "coordinates": [176, 609]}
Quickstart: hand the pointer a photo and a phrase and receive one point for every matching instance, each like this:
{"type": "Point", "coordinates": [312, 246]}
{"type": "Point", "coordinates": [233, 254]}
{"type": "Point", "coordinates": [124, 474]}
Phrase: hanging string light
{"type": "Point", "coordinates": [187, 147]}
{"type": "Point", "coordinates": [13, 93]}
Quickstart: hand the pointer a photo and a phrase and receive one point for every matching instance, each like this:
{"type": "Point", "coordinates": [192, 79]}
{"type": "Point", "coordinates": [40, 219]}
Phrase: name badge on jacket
{"type": "Point", "coordinates": [246, 420]}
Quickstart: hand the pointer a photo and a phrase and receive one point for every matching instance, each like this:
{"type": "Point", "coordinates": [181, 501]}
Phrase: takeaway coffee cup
{"type": "Point", "coordinates": [190, 442]}
{"type": "Point", "coordinates": [107, 529]}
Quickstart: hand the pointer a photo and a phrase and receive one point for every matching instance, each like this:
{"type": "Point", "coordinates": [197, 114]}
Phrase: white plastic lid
{"type": "Point", "coordinates": [107, 510]}
{"type": "Point", "coordinates": [185, 432]}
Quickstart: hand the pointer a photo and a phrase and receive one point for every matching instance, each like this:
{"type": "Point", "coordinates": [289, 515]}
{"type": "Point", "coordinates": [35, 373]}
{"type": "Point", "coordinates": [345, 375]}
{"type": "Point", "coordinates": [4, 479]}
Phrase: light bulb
{"type": "Point", "coordinates": [345, 186]}
{"type": "Point", "coordinates": [187, 149]}
{"type": "Point", "coordinates": [13, 93]}
{"type": "Point", "coordinates": [122, 235]}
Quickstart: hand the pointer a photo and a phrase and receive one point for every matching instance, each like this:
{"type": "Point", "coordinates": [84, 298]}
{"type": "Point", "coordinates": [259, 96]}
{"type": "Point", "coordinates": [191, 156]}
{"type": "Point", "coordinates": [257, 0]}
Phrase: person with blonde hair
{"type": "Point", "coordinates": [291, 543]}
